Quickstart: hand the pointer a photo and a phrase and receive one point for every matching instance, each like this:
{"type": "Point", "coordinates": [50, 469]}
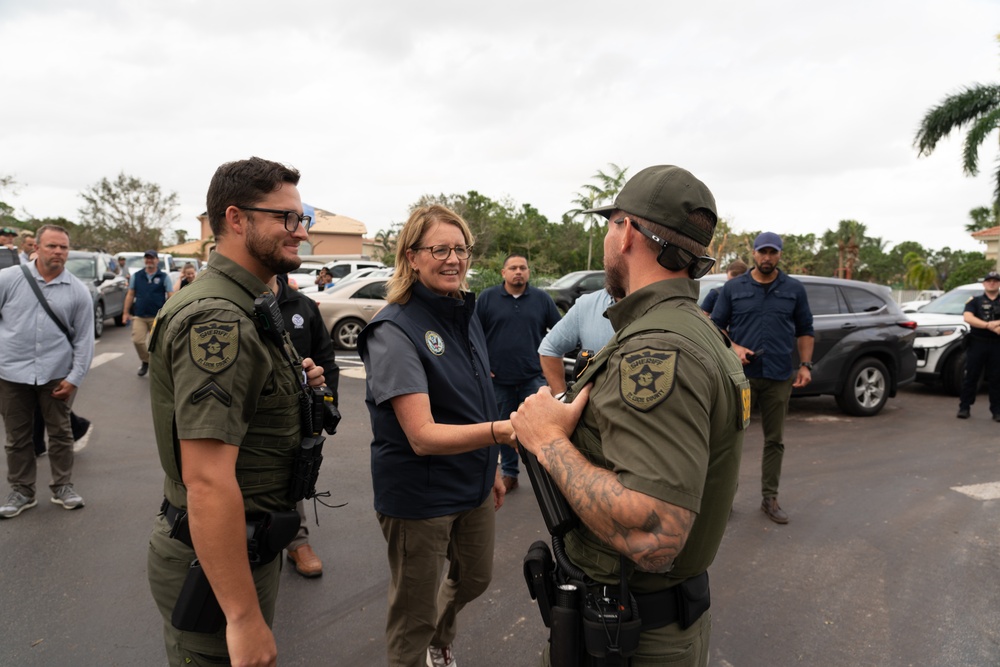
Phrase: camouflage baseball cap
{"type": "Point", "coordinates": [665, 194]}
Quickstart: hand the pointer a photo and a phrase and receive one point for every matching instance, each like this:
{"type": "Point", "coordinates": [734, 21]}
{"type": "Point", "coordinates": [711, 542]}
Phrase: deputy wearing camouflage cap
{"type": "Point", "coordinates": [647, 447]}
{"type": "Point", "coordinates": [225, 399]}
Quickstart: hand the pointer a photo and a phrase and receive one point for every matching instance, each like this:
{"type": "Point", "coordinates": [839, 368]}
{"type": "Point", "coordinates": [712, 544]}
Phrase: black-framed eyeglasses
{"type": "Point", "coordinates": [672, 257]}
{"type": "Point", "coordinates": [293, 216]}
{"type": "Point", "coordinates": [443, 252]}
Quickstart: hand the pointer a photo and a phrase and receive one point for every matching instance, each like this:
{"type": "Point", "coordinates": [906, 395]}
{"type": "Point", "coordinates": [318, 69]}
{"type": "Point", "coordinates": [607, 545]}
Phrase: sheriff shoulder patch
{"type": "Point", "coordinates": [647, 377]}
{"type": "Point", "coordinates": [214, 346]}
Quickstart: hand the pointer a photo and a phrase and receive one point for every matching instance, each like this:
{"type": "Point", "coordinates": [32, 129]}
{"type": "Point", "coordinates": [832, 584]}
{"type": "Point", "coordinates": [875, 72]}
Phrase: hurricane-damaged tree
{"type": "Point", "coordinates": [127, 213]}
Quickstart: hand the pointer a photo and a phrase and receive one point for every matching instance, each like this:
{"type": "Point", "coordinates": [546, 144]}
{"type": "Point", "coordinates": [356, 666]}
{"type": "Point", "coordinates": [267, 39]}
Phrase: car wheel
{"type": "Point", "coordinates": [866, 388]}
{"type": "Point", "coordinates": [98, 319]}
{"type": "Point", "coordinates": [954, 371]}
{"type": "Point", "coordinates": [345, 333]}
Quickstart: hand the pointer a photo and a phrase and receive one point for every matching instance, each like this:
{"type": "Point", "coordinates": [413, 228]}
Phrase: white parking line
{"type": "Point", "coordinates": [988, 491]}
{"type": "Point", "coordinates": [104, 358]}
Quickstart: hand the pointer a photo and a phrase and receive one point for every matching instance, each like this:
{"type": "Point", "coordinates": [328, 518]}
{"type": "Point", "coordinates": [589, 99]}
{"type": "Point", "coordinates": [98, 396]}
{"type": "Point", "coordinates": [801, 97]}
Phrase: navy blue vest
{"type": "Point", "coordinates": [150, 295]}
{"type": "Point", "coordinates": [452, 349]}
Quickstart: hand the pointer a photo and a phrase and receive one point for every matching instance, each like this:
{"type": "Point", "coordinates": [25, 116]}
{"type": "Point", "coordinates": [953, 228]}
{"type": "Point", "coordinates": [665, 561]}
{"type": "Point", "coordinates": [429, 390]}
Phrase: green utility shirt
{"type": "Point", "coordinates": [212, 375]}
{"type": "Point", "coordinates": [667, 413]}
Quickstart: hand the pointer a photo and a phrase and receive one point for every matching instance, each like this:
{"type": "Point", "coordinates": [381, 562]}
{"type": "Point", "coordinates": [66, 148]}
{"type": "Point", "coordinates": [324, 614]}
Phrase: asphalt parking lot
{"type": "Point", "coordinates": [891, 556]}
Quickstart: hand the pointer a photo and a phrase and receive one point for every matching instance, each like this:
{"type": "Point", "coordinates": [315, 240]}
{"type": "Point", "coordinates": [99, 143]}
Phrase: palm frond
{"type": "Point", "coordinates": [974, 138]}
{"type": "Point", "coordinates": [954, 112]}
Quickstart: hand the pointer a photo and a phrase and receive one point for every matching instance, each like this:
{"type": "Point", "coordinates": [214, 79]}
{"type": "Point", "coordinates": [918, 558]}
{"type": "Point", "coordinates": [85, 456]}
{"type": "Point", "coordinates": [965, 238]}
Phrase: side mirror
{"type": "Point", "coordinates": [108, 275]}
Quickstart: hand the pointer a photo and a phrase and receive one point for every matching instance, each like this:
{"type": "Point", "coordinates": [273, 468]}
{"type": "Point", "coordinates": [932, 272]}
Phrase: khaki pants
{"type": "Point", "coordinates": [17, 405]}
{"type": "Point", "coordinates": [166, 566]}
{"type": "Point", "coordinates": [423, 612]}
{"type": "Point", "coordinates": [140, 332]}
{"type": "Point", "coordinates": [771, 396]}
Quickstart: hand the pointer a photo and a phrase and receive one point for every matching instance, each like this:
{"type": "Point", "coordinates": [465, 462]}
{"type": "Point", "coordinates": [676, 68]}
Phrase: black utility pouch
{"type": "Point", "coordinates": [610, 629]}
{"type": "Point", "coordinates": [693, 600]}
{"type": "Point", "coordinates": [538, 574]}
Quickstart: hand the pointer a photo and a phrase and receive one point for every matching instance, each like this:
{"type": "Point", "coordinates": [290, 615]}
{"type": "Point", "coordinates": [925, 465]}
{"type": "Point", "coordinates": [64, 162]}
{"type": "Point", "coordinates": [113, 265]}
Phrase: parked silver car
{"type": "Point", "coordinates": [108, 288]}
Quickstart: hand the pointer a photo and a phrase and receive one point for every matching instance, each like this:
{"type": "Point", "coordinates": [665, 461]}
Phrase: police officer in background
{"type": "Point", "coordinates": [226, 414]}
{"type": "Point", "coordinates": [982, 313]}
{"type": "Point", "coordinates": [650, 464]}
{"type": "Point", "coordinates": [311, 339]}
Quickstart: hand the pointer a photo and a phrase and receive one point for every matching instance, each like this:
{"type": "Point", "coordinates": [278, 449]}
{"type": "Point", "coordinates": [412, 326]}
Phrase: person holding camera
{"type": "Point", "coordinates": [646, 448]}
{"type": "Point", "coordinates": [228, 394]}
{"type": "Point", "coordinates": [435, 439]}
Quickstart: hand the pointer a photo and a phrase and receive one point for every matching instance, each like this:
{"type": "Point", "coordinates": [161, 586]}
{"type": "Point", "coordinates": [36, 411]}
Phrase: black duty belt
{"type": "Point", "coordinates": [683, 604]}
{"type": "Point", "coordinates": [174, 516]}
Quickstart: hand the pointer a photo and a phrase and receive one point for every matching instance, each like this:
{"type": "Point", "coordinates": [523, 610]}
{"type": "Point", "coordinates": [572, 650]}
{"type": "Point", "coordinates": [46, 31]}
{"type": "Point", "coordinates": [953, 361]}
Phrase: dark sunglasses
{"type": "Point", "coordinates": [672, 257]}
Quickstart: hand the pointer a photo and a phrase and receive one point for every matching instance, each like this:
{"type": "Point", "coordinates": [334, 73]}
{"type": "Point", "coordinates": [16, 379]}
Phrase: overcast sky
{"type": "Point", "coordinates": [796, 114]}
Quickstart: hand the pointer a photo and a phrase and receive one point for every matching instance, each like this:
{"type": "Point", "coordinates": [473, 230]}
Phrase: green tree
{"type": "Point", "coordinates": [976, 106]}
{"type": "Point", "coordinates": [920, 273]}
{"type": "Point", "coordinates": [969, 272]}
{"type": "Point", "coordinates": [127, 213]}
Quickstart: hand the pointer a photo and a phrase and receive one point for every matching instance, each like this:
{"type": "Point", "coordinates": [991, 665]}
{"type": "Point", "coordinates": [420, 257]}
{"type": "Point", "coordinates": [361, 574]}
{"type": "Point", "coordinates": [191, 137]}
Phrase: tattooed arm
{"type": "Point", "coordinates": [648, 531]}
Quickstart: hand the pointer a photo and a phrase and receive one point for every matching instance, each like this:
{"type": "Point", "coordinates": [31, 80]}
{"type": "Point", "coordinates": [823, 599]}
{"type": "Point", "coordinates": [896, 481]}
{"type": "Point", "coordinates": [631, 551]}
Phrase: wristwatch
{"type": "Point", "coordinates": [807, 364]}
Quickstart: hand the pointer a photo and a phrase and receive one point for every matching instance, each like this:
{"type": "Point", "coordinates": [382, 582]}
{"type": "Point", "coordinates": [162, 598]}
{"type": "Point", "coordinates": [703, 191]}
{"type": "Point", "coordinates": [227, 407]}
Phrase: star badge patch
{"type": "Point", "coordinates": [214, 346]}
{"type": "Point", "coordinates": [647, 377]}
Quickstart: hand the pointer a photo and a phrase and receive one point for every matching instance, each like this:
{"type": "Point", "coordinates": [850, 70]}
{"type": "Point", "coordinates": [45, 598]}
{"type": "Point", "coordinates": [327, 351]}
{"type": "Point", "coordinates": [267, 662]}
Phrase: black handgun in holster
{"type": "Point", "coordinates": [197, 609]}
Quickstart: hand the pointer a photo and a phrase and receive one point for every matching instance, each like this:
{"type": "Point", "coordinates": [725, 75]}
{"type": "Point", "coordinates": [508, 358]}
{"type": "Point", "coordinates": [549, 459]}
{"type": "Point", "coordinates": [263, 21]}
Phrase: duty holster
{"type": "Point", "coordinates": [197, 609]}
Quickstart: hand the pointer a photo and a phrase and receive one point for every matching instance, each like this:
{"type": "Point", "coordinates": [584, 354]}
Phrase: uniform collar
{"type": "Point", "coordinates": [237, 274]}
{"type": "Point", "coordinates": [638, 303]}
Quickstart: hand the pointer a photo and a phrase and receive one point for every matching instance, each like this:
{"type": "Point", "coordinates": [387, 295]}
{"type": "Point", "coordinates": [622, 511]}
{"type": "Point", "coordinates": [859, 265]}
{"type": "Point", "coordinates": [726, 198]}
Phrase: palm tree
{"type": "Point", "coordinates": [920, 273]}
{"type": "Point", "coordinates": [976, 106]}
{"type": "Point", "coordinates": [609, 184]}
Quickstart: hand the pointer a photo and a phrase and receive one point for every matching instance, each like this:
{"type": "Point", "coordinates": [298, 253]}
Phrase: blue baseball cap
{"type": "Point", "coordinates": [151, 253]}
{"type": "Point", "coordinates": [767, 240]}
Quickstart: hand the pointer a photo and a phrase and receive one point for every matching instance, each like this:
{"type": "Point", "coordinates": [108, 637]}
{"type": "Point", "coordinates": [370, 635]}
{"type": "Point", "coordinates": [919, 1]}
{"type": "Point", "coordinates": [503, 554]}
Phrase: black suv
{"type": "Point", "coordinates": [108, 289]}
{"type": "Point", "coordinates": [566, 290]}
{"type": "Point", "coordinates": [864, 342]}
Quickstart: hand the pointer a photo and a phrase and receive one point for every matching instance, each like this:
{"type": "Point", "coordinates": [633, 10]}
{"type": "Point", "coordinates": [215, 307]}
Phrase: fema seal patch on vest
{"type": "Point", "coordinates": [214, 346]}
{"type": "Point", "coordinates": [647, 377]}
{"type": "Point", "coordinates": [434, 342]}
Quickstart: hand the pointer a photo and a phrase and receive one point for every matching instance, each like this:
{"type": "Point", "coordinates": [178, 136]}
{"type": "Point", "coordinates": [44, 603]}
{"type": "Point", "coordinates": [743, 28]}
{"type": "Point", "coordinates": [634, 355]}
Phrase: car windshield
{"type": "Point", "coordinates": [952, 303]}
{"type": "Point", "coordinates": [567, 281]}
{"type": "Point", "coordinates": [82, 267]}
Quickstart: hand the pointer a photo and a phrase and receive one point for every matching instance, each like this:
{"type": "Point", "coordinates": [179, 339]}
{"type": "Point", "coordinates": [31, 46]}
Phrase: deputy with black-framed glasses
{"type": "Point", "coordinates": [291, 219]}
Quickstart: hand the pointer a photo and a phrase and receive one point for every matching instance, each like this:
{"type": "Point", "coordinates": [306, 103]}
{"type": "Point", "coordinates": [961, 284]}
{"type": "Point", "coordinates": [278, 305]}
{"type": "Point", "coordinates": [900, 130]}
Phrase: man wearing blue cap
{"type": "Point", "coordinates": [767, 315]}
{"type": "Point", "coordinates": [147, 290]}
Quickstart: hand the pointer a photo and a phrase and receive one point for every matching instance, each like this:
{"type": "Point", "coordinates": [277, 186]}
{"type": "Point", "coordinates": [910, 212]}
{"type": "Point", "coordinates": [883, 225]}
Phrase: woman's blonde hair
{"type": "Point", "coordinates": [400, 285]}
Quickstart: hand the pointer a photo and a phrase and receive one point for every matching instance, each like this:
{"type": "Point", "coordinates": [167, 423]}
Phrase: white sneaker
{"type": "Point", "coordinates": [65, 495]}
{"type": "Point", "coordinates": [15, 504]}
{"type": "Point", "coordinates": [440, 656]}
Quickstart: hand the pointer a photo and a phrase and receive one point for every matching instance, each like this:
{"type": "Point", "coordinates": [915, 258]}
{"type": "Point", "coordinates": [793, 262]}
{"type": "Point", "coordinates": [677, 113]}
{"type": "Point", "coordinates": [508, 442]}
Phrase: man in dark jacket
{"type": "Point", "coordinates": [311, 339]}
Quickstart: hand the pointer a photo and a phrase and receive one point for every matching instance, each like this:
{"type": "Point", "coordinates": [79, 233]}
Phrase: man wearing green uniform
{"type": "Point", "coordinates": [647, 448]}
{"type": "Point", "coordinates": [225, 400]}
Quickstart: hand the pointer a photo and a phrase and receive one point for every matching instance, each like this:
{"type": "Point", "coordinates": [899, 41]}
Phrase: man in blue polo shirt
{"type": "Point", "coordinates": [147, 290]}
{"type": "Point", "coordinates": [515, 317]}
{"type": "Point", "coordinates": [767, 315]}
